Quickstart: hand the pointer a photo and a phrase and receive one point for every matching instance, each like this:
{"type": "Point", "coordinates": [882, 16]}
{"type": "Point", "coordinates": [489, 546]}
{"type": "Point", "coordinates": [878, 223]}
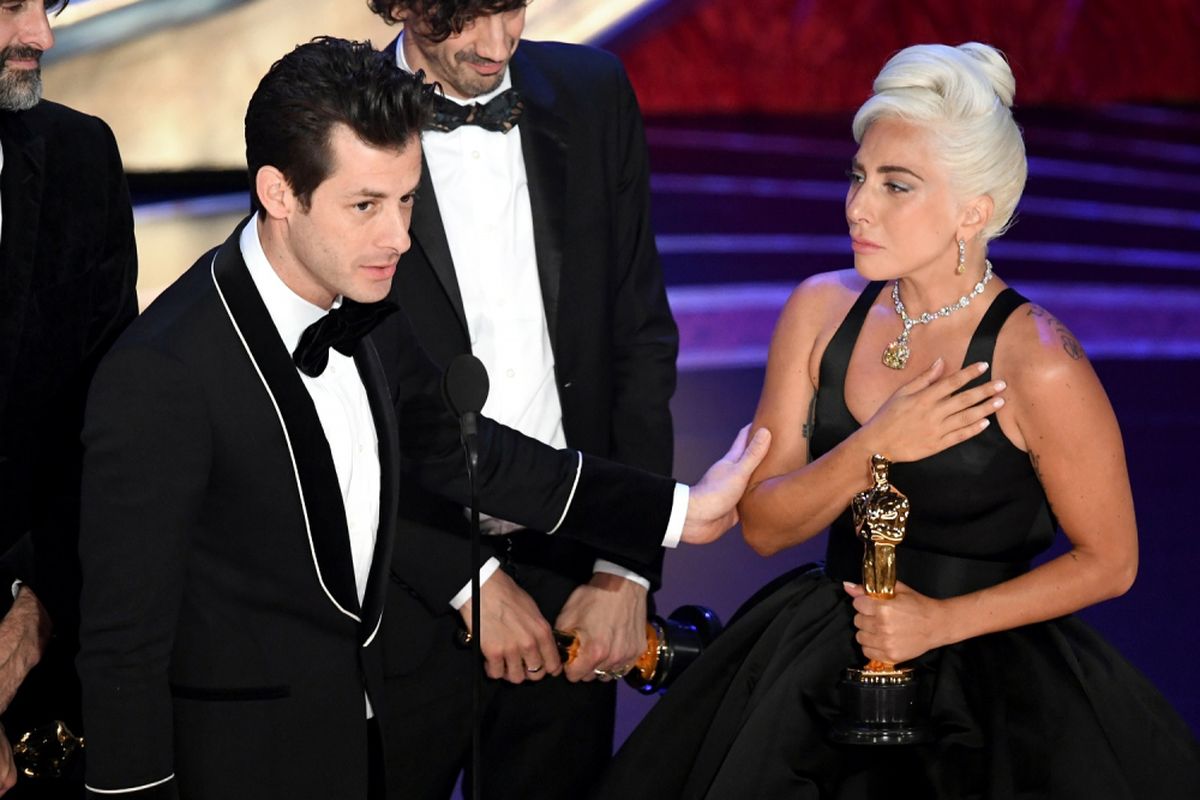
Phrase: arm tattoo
{"type": "Point", "coordinates": [1037, 470]}
{"type": "Point", "coordinates": [1070, 344]}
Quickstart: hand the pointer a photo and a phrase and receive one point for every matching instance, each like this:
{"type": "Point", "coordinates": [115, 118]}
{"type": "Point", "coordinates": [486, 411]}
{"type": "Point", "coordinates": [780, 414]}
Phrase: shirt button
{"type": "Point", "coordinates": [512, 373]}
{"type": "Point", "coordinates": [475, 154]}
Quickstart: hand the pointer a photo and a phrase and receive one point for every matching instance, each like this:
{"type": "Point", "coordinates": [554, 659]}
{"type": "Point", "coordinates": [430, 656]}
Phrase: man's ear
{"type": "Point", "coordinates": [274, 192]}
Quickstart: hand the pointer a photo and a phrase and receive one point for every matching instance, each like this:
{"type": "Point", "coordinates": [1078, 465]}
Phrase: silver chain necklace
{"type": "Point", "coordinates": [895, 355]}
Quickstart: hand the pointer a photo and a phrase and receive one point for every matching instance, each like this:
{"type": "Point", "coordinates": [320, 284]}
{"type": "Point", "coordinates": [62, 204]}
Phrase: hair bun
{"type": "Point", "coordinates": [995, 67]}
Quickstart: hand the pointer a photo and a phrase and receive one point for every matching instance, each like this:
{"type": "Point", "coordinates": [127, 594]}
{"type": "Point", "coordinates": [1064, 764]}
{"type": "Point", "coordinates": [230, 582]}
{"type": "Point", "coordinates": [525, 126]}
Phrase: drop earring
{"type": "Point", "coordinates": [962, 257]}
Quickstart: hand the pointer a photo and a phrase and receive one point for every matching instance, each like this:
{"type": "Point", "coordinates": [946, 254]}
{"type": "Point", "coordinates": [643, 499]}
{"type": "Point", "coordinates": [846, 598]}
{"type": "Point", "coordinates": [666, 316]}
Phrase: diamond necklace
{"type": "Point", "coordinates": [895, 355]}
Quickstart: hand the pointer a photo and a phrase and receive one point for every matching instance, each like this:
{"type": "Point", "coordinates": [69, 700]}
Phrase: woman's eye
{"type": "Point", "coordinates": [854, 176]}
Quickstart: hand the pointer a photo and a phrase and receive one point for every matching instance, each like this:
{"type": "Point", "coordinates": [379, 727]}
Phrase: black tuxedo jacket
{"type": "Point", "coordinates": [67, 273]}
{"type": "Point", "coordinates": [611, 331]}
{"type": "Point", "coordinates": [222, 639]}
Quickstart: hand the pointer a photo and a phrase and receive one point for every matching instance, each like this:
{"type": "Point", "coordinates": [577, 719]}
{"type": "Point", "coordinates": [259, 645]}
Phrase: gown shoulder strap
{"type": "Point", "coordinates": [836, 357]}
{"type": "Point", "coordinates": [983, 341]}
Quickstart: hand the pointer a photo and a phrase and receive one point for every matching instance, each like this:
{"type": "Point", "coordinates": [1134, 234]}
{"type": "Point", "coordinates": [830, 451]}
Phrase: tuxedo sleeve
{"type": "Point", "coordinates": [105, 232]}
{"type": "Point", "coordinates": [620, 511]}
{"type": "Point", "coordinates": [146, 465]}
{"type": "Point", "coordinates": [644, 337]}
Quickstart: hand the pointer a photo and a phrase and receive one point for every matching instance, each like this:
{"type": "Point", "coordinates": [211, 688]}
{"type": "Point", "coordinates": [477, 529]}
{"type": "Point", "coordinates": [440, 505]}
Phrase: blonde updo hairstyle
{"type": "Point", "coordinates": [964, 96]}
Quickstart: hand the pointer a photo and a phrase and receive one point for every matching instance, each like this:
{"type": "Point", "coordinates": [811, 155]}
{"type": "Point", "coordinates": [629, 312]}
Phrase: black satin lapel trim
{"type": "Point", "coordinates": [430, 235]}
{"type": "Point", "coordinates": [21, 195]}
{"type": "Point", "coordinates": [544, 143]}
{"type": "Point", "coordinates": [366, 358]}
{"type": "Point", "coordinates": [310, 450]}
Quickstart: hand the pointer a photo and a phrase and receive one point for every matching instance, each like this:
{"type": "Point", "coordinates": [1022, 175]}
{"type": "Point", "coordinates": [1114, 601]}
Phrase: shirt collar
{"type": "Point", "coordinates": [505, 82]}
{"type": "Point", "coordinates": [290, 312]}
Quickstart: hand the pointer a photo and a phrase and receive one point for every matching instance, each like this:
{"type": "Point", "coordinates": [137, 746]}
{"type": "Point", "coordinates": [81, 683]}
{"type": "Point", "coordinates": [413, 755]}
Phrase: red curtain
{"type": "Point", "coordinates": [797, 56]}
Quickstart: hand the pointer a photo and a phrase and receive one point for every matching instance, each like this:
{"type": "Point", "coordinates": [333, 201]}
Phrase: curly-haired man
{"type": "Point", "coordinates": [532, 249]}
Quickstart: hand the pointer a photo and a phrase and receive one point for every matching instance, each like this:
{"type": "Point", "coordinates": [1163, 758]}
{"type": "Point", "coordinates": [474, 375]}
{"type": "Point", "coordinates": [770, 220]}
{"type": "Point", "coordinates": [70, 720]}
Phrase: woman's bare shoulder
{"type": "Point", "coordinates": [1041, 355]}
{"type": "Point", "coordinates": [825, 296]}
{"type": "Point", "coordinates": [1042, 340]}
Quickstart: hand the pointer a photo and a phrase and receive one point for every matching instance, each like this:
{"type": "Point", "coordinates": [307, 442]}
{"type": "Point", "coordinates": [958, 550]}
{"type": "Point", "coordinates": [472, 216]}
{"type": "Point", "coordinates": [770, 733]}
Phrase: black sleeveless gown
{"type": "Point", "coordinates": [1044, 711]}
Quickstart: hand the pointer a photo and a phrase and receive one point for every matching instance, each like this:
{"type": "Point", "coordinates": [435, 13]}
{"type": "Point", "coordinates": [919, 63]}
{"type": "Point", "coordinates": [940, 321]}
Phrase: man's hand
{"type": "Point", "coordinates": [8, 767]}
{"type": "Point", "coordinates": [608, 614]}
{"type": "Point", "coordinates": [712, 503]}
{"type": "Point", "coordinates": [517, 643]}
{"type": "Point", "coordinates": [24, 633]}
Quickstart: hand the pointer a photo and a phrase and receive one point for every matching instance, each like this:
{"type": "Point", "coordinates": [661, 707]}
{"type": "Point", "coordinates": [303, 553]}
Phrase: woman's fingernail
{"type": "Point", "coordinates": [999, 401]}
{"type": "Point", "coordinates": [983, 366]}
{"type": "Point", "coordinates": [1000, 386]}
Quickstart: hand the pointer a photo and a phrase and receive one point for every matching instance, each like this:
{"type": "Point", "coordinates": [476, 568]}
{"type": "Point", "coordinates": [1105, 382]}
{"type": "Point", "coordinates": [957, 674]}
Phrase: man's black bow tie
{"type": "Point", "coordinates": [499, 114]}
{"type": "Point", "coordinates": [342, 329]}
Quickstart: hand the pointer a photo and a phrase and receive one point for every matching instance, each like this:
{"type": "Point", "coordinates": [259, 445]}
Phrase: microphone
{"type": "Point", "coordinates": [465, 390]}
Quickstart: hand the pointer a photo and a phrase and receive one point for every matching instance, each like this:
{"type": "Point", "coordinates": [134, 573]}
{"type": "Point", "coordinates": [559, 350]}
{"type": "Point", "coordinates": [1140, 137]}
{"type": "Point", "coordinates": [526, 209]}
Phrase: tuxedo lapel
{"type": "Point", "coordinates": [312, 464]}
{"type": "Point", "coordinates": [370, 369]}
{"type": "Point", "coordinates": [21, 195]}
{"type": "Point", "coordinates": [429, 234]}
{"type": "Point", "coordinates": [544, 141]}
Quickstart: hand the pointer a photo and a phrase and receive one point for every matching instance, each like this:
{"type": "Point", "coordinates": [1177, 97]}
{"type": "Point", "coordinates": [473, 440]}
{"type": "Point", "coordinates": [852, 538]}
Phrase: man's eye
{"type": "Point", "coordinates": [364, 205]}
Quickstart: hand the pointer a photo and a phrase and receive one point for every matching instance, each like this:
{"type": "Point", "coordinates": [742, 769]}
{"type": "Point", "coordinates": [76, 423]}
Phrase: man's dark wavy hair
{"type": "Point", "coordinates": [318, 85]}
{"type": "Point", "coordinates": [443, 17]}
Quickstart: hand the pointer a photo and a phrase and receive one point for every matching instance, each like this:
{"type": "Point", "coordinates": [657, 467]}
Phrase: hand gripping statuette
{"type": "Point", "coordinates": [879, 700]}
{"type": "Point", "coordinates": [672, 644]}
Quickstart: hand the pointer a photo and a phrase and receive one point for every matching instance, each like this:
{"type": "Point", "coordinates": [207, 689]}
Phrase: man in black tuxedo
{"type": "Point", "coordinates": [243, 464]}
{"type": "Point", "coordinates": [534, 251]}
{"type": "Point", "coordinates": [67, 272]}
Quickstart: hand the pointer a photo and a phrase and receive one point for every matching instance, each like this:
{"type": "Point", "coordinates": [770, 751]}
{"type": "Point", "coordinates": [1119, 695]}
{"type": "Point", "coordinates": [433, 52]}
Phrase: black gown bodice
{"type": "Point", "coordinates": [978, 511]}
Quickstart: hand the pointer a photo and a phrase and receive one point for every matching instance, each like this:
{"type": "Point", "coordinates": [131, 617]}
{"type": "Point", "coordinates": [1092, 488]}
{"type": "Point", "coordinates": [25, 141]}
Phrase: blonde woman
{"type": "Point", "coordinates": [1025, 700]}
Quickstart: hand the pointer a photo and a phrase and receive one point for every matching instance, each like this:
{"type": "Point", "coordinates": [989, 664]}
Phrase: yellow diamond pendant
{"type": "Point", "coordinates": [895, 355]}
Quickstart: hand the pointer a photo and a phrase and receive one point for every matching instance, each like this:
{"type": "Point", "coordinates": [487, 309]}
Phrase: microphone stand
{"type": "Point", "coordinates": [464, 389]}
{"type": "Point", "coordinates": [471, 450]}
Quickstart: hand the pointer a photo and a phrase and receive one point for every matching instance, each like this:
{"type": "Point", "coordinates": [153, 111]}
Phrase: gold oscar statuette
{"type": "Point", "coordinates": [672, 644]}
{"type": "Point", "coordinates": [879, 699]}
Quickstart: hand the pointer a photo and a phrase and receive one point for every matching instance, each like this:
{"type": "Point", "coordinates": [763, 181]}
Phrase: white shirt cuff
{"type": "Point", "coordinates": [464, 594]}
{"type": "Point", "coordinates": [16, 587]}
{"type": "Point", "coordinates": [616, 569]}
{"type": "Point", "coordinates": [678, 516]}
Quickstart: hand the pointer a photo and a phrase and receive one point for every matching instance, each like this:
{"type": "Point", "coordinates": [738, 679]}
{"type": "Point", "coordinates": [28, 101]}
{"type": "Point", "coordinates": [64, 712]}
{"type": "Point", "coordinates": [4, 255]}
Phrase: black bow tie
{"type": "Point", "coordinates": [342, 329]}
{"type": "Point", "coordinates": [500, 113]}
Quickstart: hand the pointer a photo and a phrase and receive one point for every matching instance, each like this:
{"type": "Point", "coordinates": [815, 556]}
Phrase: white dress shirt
{"type": "Point", "coordinates": [480, 180]}
{"type": "Point", "coordinates": [342, 408]}
{"type": "Point", "coordinates": [341, 403]}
